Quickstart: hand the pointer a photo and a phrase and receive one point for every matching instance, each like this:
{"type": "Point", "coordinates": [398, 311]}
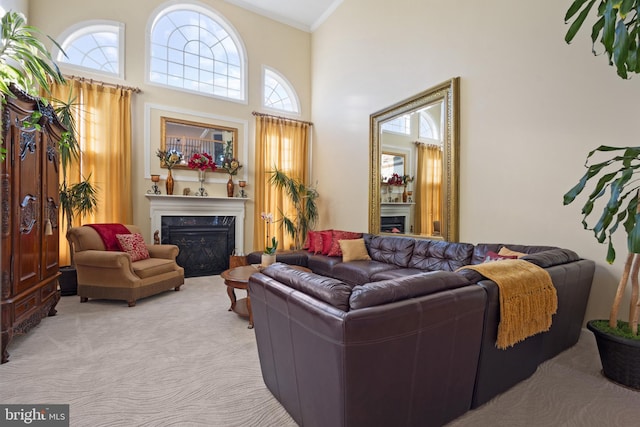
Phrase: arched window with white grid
{"type": "Point", "coordinates": [192, 48]}
{"type": "Point", "coordinates": [94, 46]}
{"type": "Point", "coordinates": [279, 93]}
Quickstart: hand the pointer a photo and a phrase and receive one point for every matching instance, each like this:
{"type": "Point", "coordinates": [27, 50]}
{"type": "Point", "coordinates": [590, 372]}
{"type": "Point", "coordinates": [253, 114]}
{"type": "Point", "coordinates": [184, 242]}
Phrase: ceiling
{"type": "Point", "coordinates": [305, 15]}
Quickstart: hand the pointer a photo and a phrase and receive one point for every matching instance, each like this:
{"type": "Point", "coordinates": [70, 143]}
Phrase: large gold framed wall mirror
{"type": "Point", "coordinates": [189, 137]}
{"type": "Point", "coordinates": [414, 165]}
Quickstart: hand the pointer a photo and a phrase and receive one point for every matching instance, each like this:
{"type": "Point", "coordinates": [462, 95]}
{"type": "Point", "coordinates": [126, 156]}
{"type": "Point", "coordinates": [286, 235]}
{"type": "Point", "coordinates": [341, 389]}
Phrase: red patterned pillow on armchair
{"type": "Point", "coordinates": [134, 245]}
{"type": "Point", "coordinates": [338, 235]}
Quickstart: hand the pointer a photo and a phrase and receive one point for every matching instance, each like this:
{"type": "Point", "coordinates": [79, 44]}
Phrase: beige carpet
{"type": "Point", "coordinates": [182, 359]}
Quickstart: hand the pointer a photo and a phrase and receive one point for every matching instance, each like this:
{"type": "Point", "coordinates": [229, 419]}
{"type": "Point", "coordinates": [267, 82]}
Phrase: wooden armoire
{"type": "Point", "coordinates": [30, 202]}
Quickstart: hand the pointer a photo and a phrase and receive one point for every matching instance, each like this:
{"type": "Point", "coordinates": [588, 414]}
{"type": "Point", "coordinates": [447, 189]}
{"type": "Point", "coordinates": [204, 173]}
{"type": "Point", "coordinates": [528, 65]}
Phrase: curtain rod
{"type": "Point", "coordinates": [428, 144]}
{"type": "Point", "coordinates": [117, 86]}
{"type": "Point", "coordinates": [255, 113]}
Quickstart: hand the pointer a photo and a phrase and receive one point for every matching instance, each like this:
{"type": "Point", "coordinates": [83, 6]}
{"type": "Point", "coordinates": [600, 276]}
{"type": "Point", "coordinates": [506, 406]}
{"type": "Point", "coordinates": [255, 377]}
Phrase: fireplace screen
{"type": "Point", "coordinates": [205, 242]}
{"type": "Point", "coordinates": [392, 224]}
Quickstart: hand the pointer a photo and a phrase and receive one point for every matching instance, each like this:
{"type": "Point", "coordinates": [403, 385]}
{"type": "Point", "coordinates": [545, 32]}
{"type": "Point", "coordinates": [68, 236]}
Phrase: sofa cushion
{"type": "Point", "coordinates": [387, 291]}
{"type": "Point", "coordinates": [152, 267]}
{"type": "Point", "coordinates": [359, 272]}
{"type": "Point", "coordinates": [326, 289]}
{"type": "Point", "coordinates": [394, 274]}
{"type": "Point", "coordinates": [322, 264]}
{"type": "Point", "coordinates": [353, 250]}
{"type": "Point", "coordinates": [437, 255]}
{"type": "Point", "coordinates": [391, 250]}
{"type": "Point", "coordinates": [336, 236]}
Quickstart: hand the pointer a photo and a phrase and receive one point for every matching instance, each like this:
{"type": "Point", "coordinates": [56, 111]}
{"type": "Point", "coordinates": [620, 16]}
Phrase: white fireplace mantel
{"type": "Point", "coordinates": [163, 205]}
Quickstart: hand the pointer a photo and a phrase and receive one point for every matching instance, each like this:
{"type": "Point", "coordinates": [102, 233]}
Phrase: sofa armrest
{"type": "Point", "coordinates": [417, 285]}
{"type": "Point", "coordinates": [108, 268]}
{"type": "Point", "coordinates": [551, 257]}
{"type": "Point", "coordinates": [164, 251]}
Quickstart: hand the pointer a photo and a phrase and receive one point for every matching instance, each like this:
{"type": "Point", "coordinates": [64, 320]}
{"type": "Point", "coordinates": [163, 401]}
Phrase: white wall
{"type": "Point", "coordinates": [531, 109]}
{"type": "Point", "coordinates": [267, 43]}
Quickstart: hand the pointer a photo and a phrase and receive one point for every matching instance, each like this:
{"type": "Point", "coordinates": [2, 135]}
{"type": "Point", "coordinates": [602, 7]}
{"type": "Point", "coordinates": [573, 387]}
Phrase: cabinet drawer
{"type": "Point", "coordinates": [49, 289]}
{"type": "Point", "coordinates": [25, 304]}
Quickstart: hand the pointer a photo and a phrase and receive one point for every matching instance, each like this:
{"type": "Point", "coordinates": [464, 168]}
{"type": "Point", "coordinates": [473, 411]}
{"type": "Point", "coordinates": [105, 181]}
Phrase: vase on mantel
{"type": "Point", "coordinates": [201, 176]}
{"type": "Point", "coordinates": [169, 183]}
{"type": "Point", "coordinates": [230, 187]}
{"type": "Point", "coordinates": [404, 195]}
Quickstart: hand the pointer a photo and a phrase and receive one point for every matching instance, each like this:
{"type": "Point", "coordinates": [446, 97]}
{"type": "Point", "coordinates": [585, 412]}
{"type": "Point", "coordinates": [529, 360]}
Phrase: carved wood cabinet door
{"type": "Point", "coordinates": [30, 209]}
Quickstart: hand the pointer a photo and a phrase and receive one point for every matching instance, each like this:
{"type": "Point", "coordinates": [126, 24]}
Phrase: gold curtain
{"type": "Point", "coordinates": [428, 191]}
{"type": "Point", "coordinates": [103, 118]}
{"type": "Point", "coordinates": [284, 144]}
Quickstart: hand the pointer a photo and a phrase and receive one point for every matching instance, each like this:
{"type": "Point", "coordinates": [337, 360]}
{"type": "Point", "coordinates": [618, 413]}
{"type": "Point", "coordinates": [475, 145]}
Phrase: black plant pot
{"type": "Point", "coordinates": [620, 357]}
{"type": "Point", "coordinates": [68, 281]}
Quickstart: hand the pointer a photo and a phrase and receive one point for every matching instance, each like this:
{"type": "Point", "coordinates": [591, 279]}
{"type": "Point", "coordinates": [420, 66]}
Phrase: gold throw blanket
{"type": "Point", "coordinates": [528, 298]}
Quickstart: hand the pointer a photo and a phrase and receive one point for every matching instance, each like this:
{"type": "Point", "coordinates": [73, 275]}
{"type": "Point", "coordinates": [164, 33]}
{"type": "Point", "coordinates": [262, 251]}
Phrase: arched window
{"type": "Point", "coordinates": [193, 49]}
{"type": "Point", "coordinates": [401, 125]}
{"type": "Point", "coordinates": [278, 93]}
{"type": "Point", "coordinates": [97, 46]}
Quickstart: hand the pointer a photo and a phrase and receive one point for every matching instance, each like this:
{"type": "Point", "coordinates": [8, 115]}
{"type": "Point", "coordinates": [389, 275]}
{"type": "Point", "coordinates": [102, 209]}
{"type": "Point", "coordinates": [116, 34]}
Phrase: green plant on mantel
{"type": "Point", "coordinates": [303, 199]}
{"type": "Point", "coordinates": [612, 171]}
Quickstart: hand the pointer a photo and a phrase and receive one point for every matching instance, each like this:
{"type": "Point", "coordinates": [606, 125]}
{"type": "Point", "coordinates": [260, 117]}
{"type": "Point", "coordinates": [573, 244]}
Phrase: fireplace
{"type": "Point", "coordinates": [206, 229]}
{"type": "Point", "coordinates": [392, 224]}
{"type": "Point", "coordinates": [205, 242]}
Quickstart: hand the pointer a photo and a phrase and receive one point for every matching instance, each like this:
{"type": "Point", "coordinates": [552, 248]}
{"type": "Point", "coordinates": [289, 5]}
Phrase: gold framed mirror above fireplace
{"type": "Point", "coordinates": [421, 133]}
{"type": "Point", "coordinates": [190, 137]}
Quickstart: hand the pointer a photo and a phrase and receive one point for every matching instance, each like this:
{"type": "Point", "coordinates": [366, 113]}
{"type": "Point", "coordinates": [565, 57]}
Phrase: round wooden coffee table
{"type": "Point", "coordinates": [238, 278]}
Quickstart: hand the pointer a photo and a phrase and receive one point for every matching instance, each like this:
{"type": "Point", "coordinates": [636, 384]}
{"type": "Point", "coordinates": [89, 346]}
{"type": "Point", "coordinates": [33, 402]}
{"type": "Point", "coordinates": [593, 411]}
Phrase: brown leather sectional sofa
{"type": "Point", "coordinates": [402, 339]}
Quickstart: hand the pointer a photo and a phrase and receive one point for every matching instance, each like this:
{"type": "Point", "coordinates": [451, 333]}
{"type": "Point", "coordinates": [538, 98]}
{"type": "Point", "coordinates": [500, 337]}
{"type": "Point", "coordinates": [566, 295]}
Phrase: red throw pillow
{"type": "Point", "coordinates": [134, 245]}
{"type": "Point", "coordinates": [317, 242]}
{"type": "Point", "coordinates": [338, 235]}
{"type": "Point", "coordinates": [310, 244]}
{"type": "Point", "coordinates": [327, 235]}
{"type": "Point", "coordinates": [492, 256]}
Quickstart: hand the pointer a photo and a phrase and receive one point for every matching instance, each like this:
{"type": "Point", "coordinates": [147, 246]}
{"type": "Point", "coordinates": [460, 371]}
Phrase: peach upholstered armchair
{"type": "Point", "coordinates": [110, 273]}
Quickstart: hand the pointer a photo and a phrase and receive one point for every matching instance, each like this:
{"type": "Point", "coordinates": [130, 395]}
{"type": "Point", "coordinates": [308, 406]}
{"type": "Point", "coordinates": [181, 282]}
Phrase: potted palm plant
{"type": "Point", "coordinates": [615, 190]}
{"type": "Point", "coordinates": [303, 199]}
{"type": "Point", "coordinates": [76, 199]}
{"type": "Point", "coordinates": [26, 63]}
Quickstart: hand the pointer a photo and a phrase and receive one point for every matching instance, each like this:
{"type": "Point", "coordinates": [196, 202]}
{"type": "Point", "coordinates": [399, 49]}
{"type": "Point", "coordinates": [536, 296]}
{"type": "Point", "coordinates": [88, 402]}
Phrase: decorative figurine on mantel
{"type": "Point", "coordinates": [242, 184]}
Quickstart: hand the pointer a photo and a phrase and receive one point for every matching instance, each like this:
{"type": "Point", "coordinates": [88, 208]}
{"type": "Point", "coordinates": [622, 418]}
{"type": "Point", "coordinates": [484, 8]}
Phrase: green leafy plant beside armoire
{"type": "Point", "coordinates": [27, 64]}
{"type": "Point", "coordinates": [612, 185]}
